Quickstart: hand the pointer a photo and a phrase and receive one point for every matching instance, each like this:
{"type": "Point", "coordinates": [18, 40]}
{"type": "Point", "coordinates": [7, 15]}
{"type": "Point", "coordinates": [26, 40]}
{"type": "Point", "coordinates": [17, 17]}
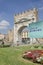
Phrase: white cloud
{"type": "Point", "coordinates": [4, 24]}
{"type": "Point", "coordinates": [41, 8]}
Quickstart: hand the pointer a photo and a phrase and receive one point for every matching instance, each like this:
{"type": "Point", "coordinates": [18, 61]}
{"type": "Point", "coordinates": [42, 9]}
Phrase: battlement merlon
{"type": "Point", "coordinates": [27, 13]}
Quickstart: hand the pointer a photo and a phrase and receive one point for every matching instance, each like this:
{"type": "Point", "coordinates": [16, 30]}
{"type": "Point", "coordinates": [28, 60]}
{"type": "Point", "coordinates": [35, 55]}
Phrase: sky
{"type": "Point", "coordinates": [8, 8]}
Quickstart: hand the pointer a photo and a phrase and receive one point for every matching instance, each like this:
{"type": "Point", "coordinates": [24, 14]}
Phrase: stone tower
{"type": "Point", "coordinates": [21, 21]}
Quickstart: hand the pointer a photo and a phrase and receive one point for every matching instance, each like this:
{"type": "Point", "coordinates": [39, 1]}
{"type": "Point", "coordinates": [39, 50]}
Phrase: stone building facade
{"type": "Point", "coordinates": [23, 20]}
{"type": "Point", "coordinates": [1, 36]}
{"type": "Point", "coordinates": [9, 36]}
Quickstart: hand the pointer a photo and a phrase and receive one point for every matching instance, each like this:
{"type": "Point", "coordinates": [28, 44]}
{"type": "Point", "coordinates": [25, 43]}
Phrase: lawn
{"type": "Point", "coordinates": [13, 55]}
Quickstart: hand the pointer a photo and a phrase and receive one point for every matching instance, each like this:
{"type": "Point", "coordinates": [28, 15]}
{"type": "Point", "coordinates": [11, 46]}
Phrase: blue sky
{"type": "Point", "coordinates": [8, 8]}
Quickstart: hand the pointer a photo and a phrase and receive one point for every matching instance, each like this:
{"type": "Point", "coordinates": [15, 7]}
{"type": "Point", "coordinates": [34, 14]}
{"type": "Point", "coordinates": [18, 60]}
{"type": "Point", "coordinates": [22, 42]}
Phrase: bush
{"type": "Point", "coordinates": [42, 46]}
{"type": "Point", "coordinates": [6, 45]}
{"type": "Point", "coordinates": [36, 46]}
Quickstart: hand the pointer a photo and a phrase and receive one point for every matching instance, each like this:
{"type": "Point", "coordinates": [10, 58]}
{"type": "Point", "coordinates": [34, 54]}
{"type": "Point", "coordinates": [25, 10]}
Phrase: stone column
{"type": "Point", "coordinates": [31, 40]}
{"type": "Point", "coordinates": [19, 38]}
{"type": "Point", "coordinates": [15, 35]}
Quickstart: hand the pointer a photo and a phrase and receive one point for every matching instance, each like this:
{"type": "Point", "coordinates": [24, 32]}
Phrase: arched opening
{"type": "Point", "coordinates": [23, 35]}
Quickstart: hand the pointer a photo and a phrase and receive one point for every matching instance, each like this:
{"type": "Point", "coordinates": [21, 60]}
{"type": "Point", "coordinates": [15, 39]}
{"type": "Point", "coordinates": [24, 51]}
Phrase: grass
{"type": "Point", "coordinates": [13, 56]}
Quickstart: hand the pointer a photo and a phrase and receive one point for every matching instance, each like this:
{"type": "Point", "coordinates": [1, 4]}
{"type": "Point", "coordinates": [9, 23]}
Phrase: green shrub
{"type": "Point", "coordinates": [36, 46]}
{"type": "Point", "coordinates": [6, 45]}
{"type": "Point", "coordinates": [42, 46]}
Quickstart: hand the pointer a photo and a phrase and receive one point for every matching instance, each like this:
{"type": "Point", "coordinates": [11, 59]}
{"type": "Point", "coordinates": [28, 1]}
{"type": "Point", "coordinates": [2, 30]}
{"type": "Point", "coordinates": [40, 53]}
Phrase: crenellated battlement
{"type": "Point", "coordinates": [27, 11]}
{"type": "Point", "coordinates": [33, 13]}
